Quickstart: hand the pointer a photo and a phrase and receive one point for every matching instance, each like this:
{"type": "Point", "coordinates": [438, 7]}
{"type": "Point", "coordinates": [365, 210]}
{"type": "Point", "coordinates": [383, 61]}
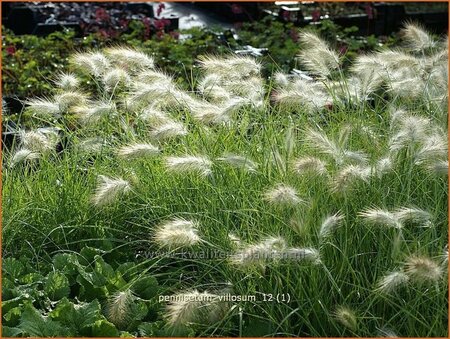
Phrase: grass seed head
{"type": "Point", "coordinates": [309, 166]}
{"type": "Point", "coordinates": [137, 150]}
{"type": "Point", "coordinates": [392, 281]}
{"type": "Point", "coordinates": [282, 195]}
{"type": "Point", "coordinates": [346, 317]}
{"type": "Point", "coordinates": [94, 63]}
{"type": "Point", "coordinates": [317, 56]}
{"type": "Point", "coordinates": [67, 82]}
{"type": "Point", "coordinates": [330, 223]}
{"type": "Point", "coordinates": [177, 233]}
{"type": "Point", "coordinates": [195, 307]}
{"type": "Point", "coordinates": [189, 164]}
{"type": "Point", "coordinates": [119, 308]}
{"type": "Point", "coordinates": [417, 38]}
{"type": "Point", "coordinates": [23, 155]}
{"type": "Point", "coordinates": [44, 107]}
{"type": "Point", "coordinates": [422, 269]}
{"type": "Point", "coordinates": [129, 58]}
{"type": "Point", "coordinates": [381, 217]}
{"type": "Point", "coordinates": [239, 161]}
{"type": "Point", "coordinates": [109, 190]}
{"type": "Point", "coordinates": [168, 130]}
{"type": "Point", "coordinates": [38, 142]}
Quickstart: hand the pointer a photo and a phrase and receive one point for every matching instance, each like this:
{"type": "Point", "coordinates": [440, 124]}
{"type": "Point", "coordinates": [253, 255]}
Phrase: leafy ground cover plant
{"type": "Point", "coordinates": [30, 61]}
{"type": "Point", "coordinates": [320, 201]}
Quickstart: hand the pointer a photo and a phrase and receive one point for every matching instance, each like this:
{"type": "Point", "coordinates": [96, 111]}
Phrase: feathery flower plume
{"type": "Point", "coordinates": [197, 164]}
{"type": "Point", "coordinates": [392, 281]}
{"type": "Point", "coordinates": [67, 82]}
{"type": "Point", "coordinates": [258, 254]}
{"type": "Point", "coordinates": [232, 67]}
{"type": "Point", "coordinates": [38, 142]}
{"type": "Point", "coordinates": [349, 176]}
{"type": "Point", "coordinates": [309, 165]}
{"type": "Point", "coordinates": [412, 130]}
{"type": "Point", "coordinates": [208, 114]}
{"type": "Point", "coordinates": [68, 100]}
{"type": "Point", "coordinates": [129, 58]}
{"type": "Point", "coordinates": [417, 37]}
{"type": "Point", "coordinates": [346, 317]}
{"type": "Point", "coordinates": [387, 333]}
{"type": "Point", "coordinates": [234, 239]}
{"type": "Point", "coordinates": [91, 145]}
{"type": "Point", "coordinates": [195, 307]}
{"type": "Point", "coordinates": [239, 161]}
{"type": "Point", "coordinates": [382, 166]}
{"type": "Point", "coordinates": [94, 63]}
{"type": "Point", "coordinates": [423, 269]}
{"type": "Point", "coordinates": [413, 215]}
{"type": "Point", "coordinates": [281, 79]}
{"type": "Point", "coordinates": [433, 147]}
{"type": "Point", "coordinates": [176, 233]}
{"type": "Point", "coordinates": [381, 217]}
{"type": "Point", "coordinates": [319, 141]}
{"type": "Point", "coordinates": [282, 195]}
{"type": "Point", "coordinates": [115, 77]}
{"type": "Point", "coordinates": [330, 223]}
{"type": "Point", "coordinates": [109, 190]}
{"type": "Point", "coordinates": [23, 155]}
{"type": "Point", "coordinates": [137, 151]}
{"type": "Point", "coordinates": [144, 94]}
{"type": "Point", "coordinates": [309, 94]}
{"type": "Point", "coordinates": [398, 60]}
{"type": "Point", "coordinates": [444, 257]}
{"type": "Point", "coordinates": [168, 130]}
{"type": "Point", "coordinates": [152, 76]}
{"type": "Point", "coordinates": [317, 56]}
{"type": "Point", "coordinates": [119, 308]}
{"type": "Point", "coordinates": [438, 167]}
{"type": "Point", "coordinates": [44, 107]}
{"type": "Point", "coordinates": [301, 254]}
{"type": "Point", "coordinates": [154, 116]}
{"type": "Point", "coordinates": [94, 113]}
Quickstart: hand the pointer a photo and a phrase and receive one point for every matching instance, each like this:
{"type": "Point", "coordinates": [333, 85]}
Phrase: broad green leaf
{"type": "Point", "coordinates": [145, 287]}
{"type": "Point", "coordinates": [87, 255]}
{"type": "Point", "coordinates": [31, 278]}
{"type": "Point", "coordinates": [33, 324]}
{"type": "Point", "coordinates": [12, 268]}
{"type": "Point", "coordinates": [103, 328]}
{"type": "Point", "coordinates": [8, 290]}
{"type": "Point", "coordinates": [88, 291]}
{"type": "Point", "coordinates": [11, 332]}
{"type": "Point", "coordinates": [66, 263]}
{"type": "Point", "coordinates": [12, 317]}
{"type": "Point", "coordinates": [57, 286]}
{"type": "Point", "coordinates": [77, 317]}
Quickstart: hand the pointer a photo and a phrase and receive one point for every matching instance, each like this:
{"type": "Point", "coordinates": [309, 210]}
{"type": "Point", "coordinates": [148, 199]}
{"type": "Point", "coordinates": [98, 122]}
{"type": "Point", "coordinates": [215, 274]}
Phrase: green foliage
{"type": "Point", "coordinates": [49, 305]}
{"type": "Point", "coordinates": [56, 286]}
{"type": "Point", "coordinates": [36, 60]}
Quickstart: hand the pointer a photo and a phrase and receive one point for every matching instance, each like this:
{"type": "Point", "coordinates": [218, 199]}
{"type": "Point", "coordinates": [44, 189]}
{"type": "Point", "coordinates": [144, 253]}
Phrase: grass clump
{"type": "Point", "coordinates": [323, 198]}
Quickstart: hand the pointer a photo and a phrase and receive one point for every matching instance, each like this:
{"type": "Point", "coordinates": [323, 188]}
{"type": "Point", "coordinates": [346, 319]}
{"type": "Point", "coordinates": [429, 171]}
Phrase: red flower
{"type": "Point", "coordinates": [369, 10]}
{"type": "Point", "coordinates": [315, 15]}
{"type": "Point", "coordinates": [236, 9]}
{"type": "Point", "coordinates": [161, 23]}
{"type": "Point", "coordinates": [11, 50]}
{"type": "Point", "coordinates": [147, 27]}
{"type": "Point", "coordinates": [101, 15]}
{"type": "Point", "coordinates": [294, 34]}
{"type": "Point", "coordinates": [160, 9]}
{"type": "Point", "coordinates": [175, 35]}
